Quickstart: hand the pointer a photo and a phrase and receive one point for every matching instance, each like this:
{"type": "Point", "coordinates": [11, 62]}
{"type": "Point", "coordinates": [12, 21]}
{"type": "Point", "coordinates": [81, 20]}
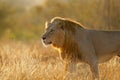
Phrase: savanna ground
{"type": "Point", "coordinates": [23, 61]}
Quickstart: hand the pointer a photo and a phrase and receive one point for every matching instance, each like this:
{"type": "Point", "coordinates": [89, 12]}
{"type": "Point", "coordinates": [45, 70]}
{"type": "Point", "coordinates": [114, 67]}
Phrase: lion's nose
{"type": "Point", "coordinates": [43, 37]}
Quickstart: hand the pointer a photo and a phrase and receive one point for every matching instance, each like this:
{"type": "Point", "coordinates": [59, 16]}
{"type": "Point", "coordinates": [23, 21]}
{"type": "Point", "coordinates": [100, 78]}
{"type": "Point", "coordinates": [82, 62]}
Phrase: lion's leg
{"type": "Point", "coordinates": [94, 69]}
{"type": "Point", "coordinates": [71, 68]}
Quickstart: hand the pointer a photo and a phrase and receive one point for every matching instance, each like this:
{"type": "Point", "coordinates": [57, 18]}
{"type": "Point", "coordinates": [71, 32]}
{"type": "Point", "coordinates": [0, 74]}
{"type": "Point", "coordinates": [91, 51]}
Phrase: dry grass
{"type": "Point", "coordinates": [19, 61]}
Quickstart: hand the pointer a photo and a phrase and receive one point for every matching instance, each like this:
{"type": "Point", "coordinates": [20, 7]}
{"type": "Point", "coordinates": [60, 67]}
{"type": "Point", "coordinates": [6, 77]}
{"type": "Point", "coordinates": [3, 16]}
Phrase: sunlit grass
{"type": "Point", "coordinates": [20, 61]}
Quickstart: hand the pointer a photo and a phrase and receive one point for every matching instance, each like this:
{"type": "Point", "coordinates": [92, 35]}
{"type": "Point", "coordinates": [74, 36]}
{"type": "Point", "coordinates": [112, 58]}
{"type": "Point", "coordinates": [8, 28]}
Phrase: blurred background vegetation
{"type": "Point", "coordinates": [24, 19]}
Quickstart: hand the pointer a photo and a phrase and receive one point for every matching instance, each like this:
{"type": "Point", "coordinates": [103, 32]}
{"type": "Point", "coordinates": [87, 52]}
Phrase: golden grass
{"type": "Point", "coordinates": [20, 61]}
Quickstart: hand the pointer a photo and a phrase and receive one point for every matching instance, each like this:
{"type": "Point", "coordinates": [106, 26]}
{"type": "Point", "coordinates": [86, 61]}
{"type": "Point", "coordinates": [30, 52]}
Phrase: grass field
{"type": "Point", "coordinates": [22, 61]}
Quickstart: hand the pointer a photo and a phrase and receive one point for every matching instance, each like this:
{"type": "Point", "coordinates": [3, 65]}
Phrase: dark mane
{"type": "Point", "coordinates": [70, 48]}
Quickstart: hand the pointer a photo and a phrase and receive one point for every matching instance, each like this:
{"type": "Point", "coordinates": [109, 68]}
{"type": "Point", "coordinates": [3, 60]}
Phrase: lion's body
{"type": "Point", "coordinates": [106, 44]}
{"type": "Point", "coordinates": [79, 44]}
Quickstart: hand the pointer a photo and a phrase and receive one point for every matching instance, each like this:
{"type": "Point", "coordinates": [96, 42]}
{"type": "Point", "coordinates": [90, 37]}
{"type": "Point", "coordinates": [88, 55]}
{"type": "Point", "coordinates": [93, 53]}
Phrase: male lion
{"type": "Point", "coordinates": [76, 43]}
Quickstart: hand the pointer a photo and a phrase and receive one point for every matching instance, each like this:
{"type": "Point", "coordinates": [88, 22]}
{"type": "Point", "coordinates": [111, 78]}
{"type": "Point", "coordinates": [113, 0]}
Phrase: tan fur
{"type": "Point", "coordinates": [76, 43]}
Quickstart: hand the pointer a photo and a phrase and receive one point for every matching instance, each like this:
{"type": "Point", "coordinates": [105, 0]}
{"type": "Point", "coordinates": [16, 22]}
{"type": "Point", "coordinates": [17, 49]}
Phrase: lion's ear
{"type": "Point", "coordinates": [62, 25]}
{"type": "Point", "coordinates": [47, 24]}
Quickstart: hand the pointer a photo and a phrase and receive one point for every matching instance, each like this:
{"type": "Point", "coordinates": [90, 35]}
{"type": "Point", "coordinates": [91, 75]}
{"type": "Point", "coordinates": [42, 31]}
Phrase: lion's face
{"type": "Point", "coordinates": [54, 34]}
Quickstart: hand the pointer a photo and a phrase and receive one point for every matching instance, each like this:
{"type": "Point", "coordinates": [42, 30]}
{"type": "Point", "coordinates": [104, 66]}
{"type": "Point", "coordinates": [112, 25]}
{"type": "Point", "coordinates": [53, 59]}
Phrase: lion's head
{"type": "Point", "coordinates": [54, 33]}
{"type": "Point", "coordinates": [61, 33]}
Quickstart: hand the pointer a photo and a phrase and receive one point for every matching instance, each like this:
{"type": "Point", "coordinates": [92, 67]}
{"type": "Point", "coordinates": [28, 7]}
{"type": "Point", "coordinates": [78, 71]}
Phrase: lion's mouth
{"type": "Point", "coordinates": [49, 43]}
{"type": "Point", "coordinates": [46, 43]}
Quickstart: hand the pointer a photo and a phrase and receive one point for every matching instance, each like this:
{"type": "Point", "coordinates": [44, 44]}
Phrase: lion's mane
{"type": "Point", "coordinates": [70, 50]}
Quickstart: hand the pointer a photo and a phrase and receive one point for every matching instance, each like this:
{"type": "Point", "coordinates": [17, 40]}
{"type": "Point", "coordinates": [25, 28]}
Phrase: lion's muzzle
{"type": "Point", "coordinates": [44, 40]}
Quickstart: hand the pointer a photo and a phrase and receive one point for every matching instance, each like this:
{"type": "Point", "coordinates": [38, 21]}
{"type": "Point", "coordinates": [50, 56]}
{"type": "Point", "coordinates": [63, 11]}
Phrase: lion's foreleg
{"type": "Point", "coordinates": [94, 69]}
{"type": "Point", "coordinates": [71, 70]}
{"type": "Point", "coordinates": [72, 67]}
{"type": "Point", "coordinates": [89, 55]}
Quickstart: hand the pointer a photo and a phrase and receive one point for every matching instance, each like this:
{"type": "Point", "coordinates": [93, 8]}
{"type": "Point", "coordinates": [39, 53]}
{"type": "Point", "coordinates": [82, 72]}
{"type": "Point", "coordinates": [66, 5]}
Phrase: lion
{"type": "Point", "coordinates": [76, 43]}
